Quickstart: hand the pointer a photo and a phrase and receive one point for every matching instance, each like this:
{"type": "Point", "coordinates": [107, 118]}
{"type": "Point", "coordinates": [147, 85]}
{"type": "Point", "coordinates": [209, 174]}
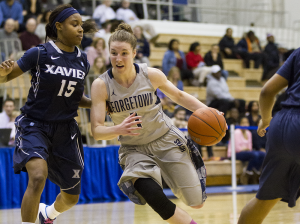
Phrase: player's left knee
{"type": "Point", "coordinates": [198, 206]}
{"type": "Point", "coordinates": [72, 200]}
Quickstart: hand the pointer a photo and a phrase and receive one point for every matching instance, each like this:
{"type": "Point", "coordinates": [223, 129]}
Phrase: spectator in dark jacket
{"type": "Point", "coordinates": [143, 49]}
{"type": "Point", "coordinates": [28, 38]}
{"type": "Point", "coordinates": [227, 45]}
{"type": "Point", "coordinates": [249, 49]}
{"type": "Point", "coordinates": [12, 9]}
{"type": "Point", "coordinates": [271, 58]}
{"type": "Point", "coordinates": [213, 57]}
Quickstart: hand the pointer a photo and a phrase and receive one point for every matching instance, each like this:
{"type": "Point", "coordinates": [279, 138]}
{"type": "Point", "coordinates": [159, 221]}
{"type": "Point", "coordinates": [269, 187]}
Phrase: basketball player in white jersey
{"type": "Point", "coordinates": [151, 147]}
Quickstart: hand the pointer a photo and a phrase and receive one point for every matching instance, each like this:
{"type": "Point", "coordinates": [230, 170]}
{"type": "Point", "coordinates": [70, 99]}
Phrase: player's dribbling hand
{"type": "Point", "coordinates": [263, 124]}
{"type": "Point", "coordinates": [6, 67]}
{"type": "Point", "coordinates": [129, 125]}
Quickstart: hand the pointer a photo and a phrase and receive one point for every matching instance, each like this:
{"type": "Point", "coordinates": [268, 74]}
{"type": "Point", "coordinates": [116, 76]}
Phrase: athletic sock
{"type": "Point", "coordinates": [51, 212]}
{"type": "Point", "coordinates": [193, 222]}
{"type": "Point", "coordinates": [28, 223]}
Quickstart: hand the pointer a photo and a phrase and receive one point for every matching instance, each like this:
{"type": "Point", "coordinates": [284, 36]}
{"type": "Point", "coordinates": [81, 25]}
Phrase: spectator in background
{"type": "Point", "coordinates": [234, 117]}
{"type": "Point", "coordinates": [249, 49]}
{"type": "Point", "coordinates": [218, 95]}
{"type": "Point", "coordinates": [196, 63]}
{"type": "Point", "coordinates": [97, 49]}
{"type": "Point", "coordinates": [271, 58]}
{"type": "Point", "coordinates": [32, 9]}
{"type": "Point", "coordinates": [28, 38]}
{"type": "Point", "coordinates": [174, 77]}
{"type": "Point", "coordinates": [213, 57]}
{"type": "Point", "coordinates": [11, 124]}
{"type": "Point", "coordinates": [14, 10]}
{"type": "Point", "coordinates": [259, 143]}
{"type": "Point", "coordinates": [104, 12]}
{"type": "Point", "coordinates": [7, 113]}
{"type": "Point", "coordinates": [1, 16]}
{"type": "Point", "coordinates": [179, 119]}
{"type": "Point", "coordinates": [244, 152]}
{"type": "Point", "coordinates": [227, 45]}
{"type": "Point", "coordinates": [40, 29]}
{"type": "Point", "coordinates": [125, 13]}
{"type": "Point", "coordinates": [9, 33]}
{"type": "Point", "coordinates": [99, 66]}
{"type": "Point", "coordinates": [143, 48]}
{"type": "Point", "coordinates": [175, 57]}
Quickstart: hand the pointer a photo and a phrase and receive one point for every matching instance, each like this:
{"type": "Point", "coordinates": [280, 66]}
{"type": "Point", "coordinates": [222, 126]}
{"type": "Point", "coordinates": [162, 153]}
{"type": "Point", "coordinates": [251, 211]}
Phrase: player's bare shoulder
{"type": "Point", "coordinates": [156, 76]}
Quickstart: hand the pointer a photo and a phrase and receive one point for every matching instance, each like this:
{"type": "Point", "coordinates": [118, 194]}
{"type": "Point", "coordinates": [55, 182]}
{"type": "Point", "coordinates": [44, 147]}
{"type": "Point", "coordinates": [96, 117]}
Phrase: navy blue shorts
{"type": "Point", "coordinates": [280, 176]}
{"type": "Point", "coordinates": [59, 144]}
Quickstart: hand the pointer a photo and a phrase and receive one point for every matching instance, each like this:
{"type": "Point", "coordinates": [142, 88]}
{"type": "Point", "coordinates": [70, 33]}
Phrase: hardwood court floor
{"type": "Point", "coordinates": [219, 209]}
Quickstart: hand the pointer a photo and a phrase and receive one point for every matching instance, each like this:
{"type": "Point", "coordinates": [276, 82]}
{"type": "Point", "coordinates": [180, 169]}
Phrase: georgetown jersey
{"type": "Point", "coordinates": [141, 98]}
{"type": "Point", "coordinates": [57, 82]}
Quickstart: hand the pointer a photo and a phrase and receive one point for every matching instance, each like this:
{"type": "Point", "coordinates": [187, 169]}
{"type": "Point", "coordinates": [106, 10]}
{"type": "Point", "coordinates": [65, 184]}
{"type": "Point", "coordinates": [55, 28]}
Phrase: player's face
{"type": "Point", "coordinates": [121, 56]}
{"type": "Point", "coordinates": [71, 30]}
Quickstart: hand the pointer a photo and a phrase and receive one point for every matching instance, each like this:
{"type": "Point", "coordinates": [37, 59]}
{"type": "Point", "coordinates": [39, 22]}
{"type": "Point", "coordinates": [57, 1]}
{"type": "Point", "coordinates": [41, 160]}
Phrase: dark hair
{"type": "Point", "coordinates": [178, 109]}
{"type": "Point", "coordinates": [194, 46]}
{"type": "Point", "coordinates": [43, 19]}
{"type": "Point", "coordinates": [123, 34]}
{"type": "Point", "coordinates": [8, 100]}
{"type": "Point", "coordinates": [171, 43]}
{"type": "Point", "coordinates": [88, 26]}
{"type": "Point", "coordinates": [228, 29]}
{"type": "Point", "coordinates": [250, 105]}
{"type": "Point", "coordinates": [250, 33]}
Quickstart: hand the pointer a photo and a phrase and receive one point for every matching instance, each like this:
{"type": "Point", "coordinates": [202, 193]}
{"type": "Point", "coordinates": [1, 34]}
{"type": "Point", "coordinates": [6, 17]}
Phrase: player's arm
{"type": "Point", "coordinates": [9, 70]}
{"type": "Point", "coordinates": [159, 80]}
{"type": "Point", "coordinates": [267, 100]}
{"type": "Point", "coordinates": [98, 113]}
{"type": "Point", "coordinates": [85, 102]}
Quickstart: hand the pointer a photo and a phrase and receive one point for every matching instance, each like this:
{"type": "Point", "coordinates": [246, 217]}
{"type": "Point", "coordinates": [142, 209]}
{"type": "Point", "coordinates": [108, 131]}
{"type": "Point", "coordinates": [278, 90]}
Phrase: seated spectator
{"type": "Point", "coordinates": [271, 58]}
{"type": "Point", "coordinates": [7, 115]}
{"type": "Point", "coordinates": [12, 125]}
{"type": "Point", "coordinates": [234, 117]}
{"type": "Point", "coordinates": [259, 143]}
{"type": "Point", "coordinates": [174, 77]}
{"type": "Point", "coordinates": [168, 105]}
{"type": "Point", "coordinates": [125, 13]}
{"type": "Point", "coordinates": [98, 67]}
{"type": "Point", "coordinates": [217, 93]}
{"type": "Point", "coordinates": [9, 33]}
{"type": "Point", "coordinates": [28, 38]}
{"type": "Point", "coordinates": [12, 9]}
{"type": "Point", "coordinates": [245, 153]}
{"type": "Point", "coordinates": [284, 53]}
{"type": "Point", "coordinates": [227, 45]}
{"type": "Point", "coordinates": [196, 63]}
{"type": "Point", "coordinates": [104, 12]}
{"type": "Point", "coordinates": [213, 57]}
{"type": "Point", "coordinates": [32, 9]}
{"type": "Point", "coordinates": [249, 48]}
{"type": "Point", "coordinates": [143, 48]}
{"type": "Point", "coordinates": [40, 29]}
{"type": "Point", "coordinates": [97, 49]}
{"type": "Point", "coordinates": [179, 120]}
{"type": "Point", "coordinates": [175, 57]}
{"type": "Point", "coordinates": [87, 38]}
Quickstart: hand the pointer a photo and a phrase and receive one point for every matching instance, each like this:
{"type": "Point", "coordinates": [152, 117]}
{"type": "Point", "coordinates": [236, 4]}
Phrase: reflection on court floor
{"type": "Point", "coordinates": [218, 209]}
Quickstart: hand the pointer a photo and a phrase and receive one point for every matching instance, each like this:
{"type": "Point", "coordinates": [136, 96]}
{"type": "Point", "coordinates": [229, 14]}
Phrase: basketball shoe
{"type": "Point", "coordinates": [42, 215]}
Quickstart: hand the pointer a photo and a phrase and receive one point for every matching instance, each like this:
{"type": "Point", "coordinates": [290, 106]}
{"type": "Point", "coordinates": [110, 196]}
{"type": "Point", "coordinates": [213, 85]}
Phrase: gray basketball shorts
{"type": "Point", "coordinates": [172, 157]}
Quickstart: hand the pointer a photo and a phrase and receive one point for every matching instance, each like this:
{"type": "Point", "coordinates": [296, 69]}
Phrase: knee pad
{"type": "Point", "coordinates": [155, 197]}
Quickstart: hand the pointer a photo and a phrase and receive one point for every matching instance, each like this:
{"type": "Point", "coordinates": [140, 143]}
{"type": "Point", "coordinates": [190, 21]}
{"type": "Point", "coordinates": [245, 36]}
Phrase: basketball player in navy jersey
{"type": "Point", "coordinates": [48, 141]}
{"type": "Point", "coordinates": [280, 177]}
{"type": "Point", "coordinates": [151, 149]}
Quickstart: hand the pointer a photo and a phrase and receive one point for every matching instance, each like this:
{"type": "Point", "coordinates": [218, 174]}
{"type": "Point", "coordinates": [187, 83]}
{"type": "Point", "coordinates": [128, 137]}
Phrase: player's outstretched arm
{"type": "Point", "coordinates": [9, 70]}
{"type": "Point", "coordinates": [98, 113]}
{"type": "Point", "coordinates": [159, 80]}
{"type": "Point", "coordinates": [267, 100]}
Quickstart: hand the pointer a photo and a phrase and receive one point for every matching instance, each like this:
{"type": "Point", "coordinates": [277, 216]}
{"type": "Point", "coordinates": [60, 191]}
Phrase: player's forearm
{"type": "Point", "coordinates": [3, 79]}
{"type": "Point", "coordinates": [189, 102]}
{"type": "Point", "coordinates": [102, 132]}
{"type": "Point", "coordinates": [85, 102]}
{"type": "Point", "coordinates": [266, 102]}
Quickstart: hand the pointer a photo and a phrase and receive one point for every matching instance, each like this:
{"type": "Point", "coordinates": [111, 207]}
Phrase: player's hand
{"type": "Point", "coordinates": [263, 124]}
{"type": "Point", "coordinates": [129, 125]}
{"type": "Point", "coordinates": [6, 67]}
